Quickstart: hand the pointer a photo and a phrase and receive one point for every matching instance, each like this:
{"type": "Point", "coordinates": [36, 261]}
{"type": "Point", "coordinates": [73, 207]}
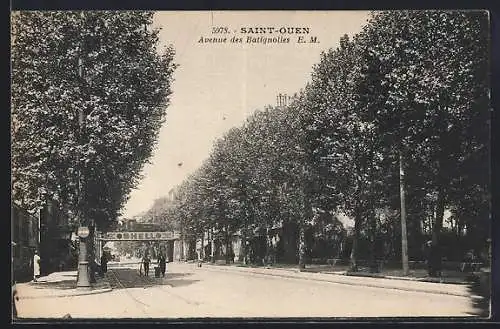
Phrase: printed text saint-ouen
{"type": "Point", "coordinates": [274, 30]}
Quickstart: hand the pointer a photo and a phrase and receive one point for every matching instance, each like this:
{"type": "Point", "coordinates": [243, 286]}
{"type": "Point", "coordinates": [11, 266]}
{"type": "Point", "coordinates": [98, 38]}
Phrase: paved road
{"type": "Point", "coordinates": [189, 291]}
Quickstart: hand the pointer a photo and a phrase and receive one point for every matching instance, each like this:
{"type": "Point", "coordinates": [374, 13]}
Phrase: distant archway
{"type": "Point", "coordinates": [168, 237]}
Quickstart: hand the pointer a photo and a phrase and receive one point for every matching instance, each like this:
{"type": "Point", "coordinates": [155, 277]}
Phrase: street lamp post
{"type": "Point", "coordinates": [83, 279]}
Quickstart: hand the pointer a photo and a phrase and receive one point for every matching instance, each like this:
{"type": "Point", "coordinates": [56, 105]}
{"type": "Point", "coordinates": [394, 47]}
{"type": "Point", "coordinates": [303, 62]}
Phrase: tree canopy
{"type": "Point", "coordinates": [106, 66]}
{"type": "Point", "coordinates": [410, 89]}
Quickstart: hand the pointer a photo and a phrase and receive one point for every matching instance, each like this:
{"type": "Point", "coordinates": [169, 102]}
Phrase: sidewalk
{"type": "Point", "coordinates": [415, 275]}
{"type": "Point", "coordinates": [341, 277]}
{"type": "Point", "coordinates": [448, 277]}
{"type": "Point", "coordinates": [59, 284]}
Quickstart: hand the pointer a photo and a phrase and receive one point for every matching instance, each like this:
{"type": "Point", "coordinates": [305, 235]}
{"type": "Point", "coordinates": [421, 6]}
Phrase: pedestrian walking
{"type": "Point", "coordinates": [231, 255]}
{"type": "Point", "coordinates": [104, 263]}
{"type": "Point", "coordinates": [36, 266]}
{"type": "Point", "coordinates": [433, 256]}
{"type": "Point", "coordinates": [145, 262]}
{"type": "Point", "coordinates": [162, 262]}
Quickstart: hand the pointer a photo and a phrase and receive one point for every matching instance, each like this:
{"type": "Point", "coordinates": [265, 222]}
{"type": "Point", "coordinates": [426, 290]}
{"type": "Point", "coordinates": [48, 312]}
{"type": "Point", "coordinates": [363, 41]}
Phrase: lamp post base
{"type": "Point", "coordinates": [83, 275]}
{"type": "Point", "coordinates": [83, 280]}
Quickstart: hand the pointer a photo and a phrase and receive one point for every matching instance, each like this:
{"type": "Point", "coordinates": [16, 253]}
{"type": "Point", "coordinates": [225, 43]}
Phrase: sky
{"type": "Point", "coordinates": [218, 85]}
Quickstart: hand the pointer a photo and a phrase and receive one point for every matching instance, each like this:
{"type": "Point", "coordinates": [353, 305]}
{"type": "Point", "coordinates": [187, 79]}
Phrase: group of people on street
{"type": "Point", "coordinates": [162, 264]}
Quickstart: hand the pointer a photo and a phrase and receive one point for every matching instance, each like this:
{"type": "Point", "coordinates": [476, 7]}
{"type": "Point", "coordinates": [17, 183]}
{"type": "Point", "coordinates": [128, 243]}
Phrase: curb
{"type": "Point", "coordinates": [429, 291]}
{"type": "Point", "coordinates": [103, 287]}
{"type": "Point", "coordinates": [388, 277]}
{"type": "Point", "coordinates": [72, 294]}
{"type": "Point", "coordinates": [367, 275]}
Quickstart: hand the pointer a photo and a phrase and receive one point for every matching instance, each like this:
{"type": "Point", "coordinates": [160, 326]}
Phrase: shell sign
{"type": "Point", "coordinates": [139, 236]}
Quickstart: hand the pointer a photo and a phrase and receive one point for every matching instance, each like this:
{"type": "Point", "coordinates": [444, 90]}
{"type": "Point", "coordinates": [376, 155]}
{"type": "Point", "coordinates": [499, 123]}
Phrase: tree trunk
{"type": "Point", "coordinates": [404, 232]}
{"type": "Point", "coordinates": [181, 246]}
{"type": "Point", "coordinates": [290, 242]}
{"type": "Point", "coordinates": [202, 247]}
{"type": "Point", "coordinates": [228, 246]}
{"type": "Point", "coordinates": [460, 227]}
{"type": "Point", "coordinates": [354, 250]}
{"type": "Point", "coordinates": [91, 254]}
{"type": "Point", "coordinates": [302, 247]}
{"type": "Point", "coordinates": [435, 263]}
{"type": "Point", "coordinates": [374, 268]}
{"type": "Point", "coordinates": [308, 214]}
{"type": "Point", "coordinates": [243, 249]}
{"type": "Point", "coordinates": [268, 248]}
{"type": "Point", "coordinates": [212, 246]}
{"type": "Point", "coordinates": [340, 250]}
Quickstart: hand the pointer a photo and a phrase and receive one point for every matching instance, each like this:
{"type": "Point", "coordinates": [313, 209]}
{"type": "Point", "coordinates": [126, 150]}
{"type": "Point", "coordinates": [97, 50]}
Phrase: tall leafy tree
{"type": "Point", "coordinates": [437, 104]}
{"type": "Point", "coordinates": [412, 84]}
{"type": "Point", "coordinates": [341, 135]}
{"type": "Point", "coordinates": [105, 66]}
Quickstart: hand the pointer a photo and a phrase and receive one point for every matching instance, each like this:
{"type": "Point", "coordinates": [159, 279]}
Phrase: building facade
{"type": "Point", "coordinates": [25, 239]}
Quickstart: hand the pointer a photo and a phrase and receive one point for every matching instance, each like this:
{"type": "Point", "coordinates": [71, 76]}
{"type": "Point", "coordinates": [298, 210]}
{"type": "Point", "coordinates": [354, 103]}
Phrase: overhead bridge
{"type": "Point", "coordinates": [139, 236]}
{"type": "Point", "coordinates": [171, 238]}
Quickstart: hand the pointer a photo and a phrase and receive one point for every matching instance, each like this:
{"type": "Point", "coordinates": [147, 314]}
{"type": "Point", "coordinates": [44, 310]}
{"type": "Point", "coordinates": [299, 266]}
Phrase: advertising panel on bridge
{"type": "Point", "coordinates": [140, 236]}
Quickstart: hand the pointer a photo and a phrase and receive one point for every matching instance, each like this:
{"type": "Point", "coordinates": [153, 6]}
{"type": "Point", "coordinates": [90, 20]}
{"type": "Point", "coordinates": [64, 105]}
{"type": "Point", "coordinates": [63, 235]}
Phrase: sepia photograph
{"type": "Point", "coordinates": [250, 165]}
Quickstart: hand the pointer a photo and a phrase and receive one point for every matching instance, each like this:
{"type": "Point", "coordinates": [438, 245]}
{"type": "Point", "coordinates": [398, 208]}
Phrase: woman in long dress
{"type": "Point", "coordinates": [36, 266]}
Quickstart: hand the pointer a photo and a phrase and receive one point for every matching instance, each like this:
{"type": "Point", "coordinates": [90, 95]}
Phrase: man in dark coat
{"type": "Point", "coordinates": [163, 264]}
{"type": "Point", "coordinates": [146, 261]}
{"type": "Point", "coordinates": [104, 263]}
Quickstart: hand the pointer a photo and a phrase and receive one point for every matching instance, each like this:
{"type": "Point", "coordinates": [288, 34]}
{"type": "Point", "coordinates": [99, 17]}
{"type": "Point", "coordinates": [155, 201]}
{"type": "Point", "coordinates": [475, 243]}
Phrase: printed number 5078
{"type": "Point", "coordinates": [220, 29]}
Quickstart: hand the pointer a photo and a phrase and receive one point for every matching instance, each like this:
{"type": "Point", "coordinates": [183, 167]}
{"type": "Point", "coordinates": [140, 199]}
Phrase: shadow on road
{"type": "Point", "coordinates": [176, 275]}
{"type": "Point", "coordinates": [180, 282]}
{"type": "Point", "coordinates": [481, 305]}
{"type": "Point", "coordinates": [121, 278]}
